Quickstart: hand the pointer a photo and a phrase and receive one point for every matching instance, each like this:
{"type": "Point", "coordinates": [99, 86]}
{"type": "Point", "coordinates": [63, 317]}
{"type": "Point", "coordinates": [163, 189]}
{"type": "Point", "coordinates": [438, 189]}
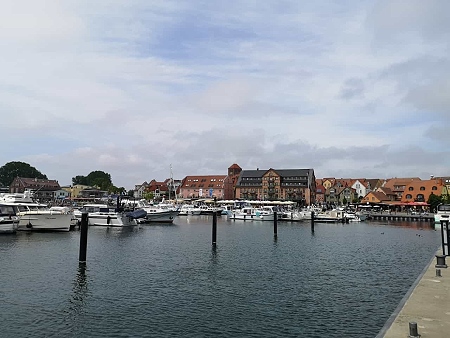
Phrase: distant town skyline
{"type": "Point", "coordinates": [348, 88]}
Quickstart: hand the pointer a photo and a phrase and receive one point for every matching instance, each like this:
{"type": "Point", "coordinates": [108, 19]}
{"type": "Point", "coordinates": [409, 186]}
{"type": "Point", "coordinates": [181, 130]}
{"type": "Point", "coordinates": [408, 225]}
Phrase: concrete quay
{"type": "Point", "coordinates": [427, 303]}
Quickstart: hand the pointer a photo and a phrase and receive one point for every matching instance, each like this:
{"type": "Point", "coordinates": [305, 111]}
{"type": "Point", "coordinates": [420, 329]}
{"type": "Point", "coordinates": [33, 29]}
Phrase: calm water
{"type": "Point", "coordinates": [166, 281]}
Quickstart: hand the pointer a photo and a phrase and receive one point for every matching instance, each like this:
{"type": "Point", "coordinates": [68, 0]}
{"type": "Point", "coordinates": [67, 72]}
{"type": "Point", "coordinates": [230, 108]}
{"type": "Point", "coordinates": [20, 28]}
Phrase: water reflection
{"type": "Point", "coordinates": [79, 292]}
{"type": "Point", "coordinates": [405, 224]}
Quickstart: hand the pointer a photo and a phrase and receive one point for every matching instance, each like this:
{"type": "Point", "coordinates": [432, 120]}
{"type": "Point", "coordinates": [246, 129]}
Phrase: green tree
{"type": "Point", "coordinates": [82, 180]}
{"type": "Point", "coordinates": [434, 201]}
{"type": "Point", "coordinates": [96, 178]}
{"type": "Point", "coordinates": [11, 170]}
{"type": "Point", "coordinates": [149, 195]}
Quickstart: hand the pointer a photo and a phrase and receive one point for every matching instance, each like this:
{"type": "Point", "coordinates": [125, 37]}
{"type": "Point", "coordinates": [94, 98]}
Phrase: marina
{"type": "Point", "coordinates": [165, 280]}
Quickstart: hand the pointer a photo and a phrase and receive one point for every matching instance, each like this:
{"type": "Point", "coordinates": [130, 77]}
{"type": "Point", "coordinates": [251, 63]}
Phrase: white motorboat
{"type": "Point", "coordinates": [158, 213]}
{"type": "Point", "coordinates": [103, 215]}
{"type": "Point", "coordinates": [294, 216]}
{"type": "Point", "coordinates": [442, 214]}
{"type": "Point", "coordinates": [334, 215]}
{"type": "Point", "coordinates": [253, 214]}
{"type": "Point", "coordinates": [189, 209]}
{"type": "Point", "coordinates": [210, 210]}
{"type": "Point", "coordinates": [36, 216]}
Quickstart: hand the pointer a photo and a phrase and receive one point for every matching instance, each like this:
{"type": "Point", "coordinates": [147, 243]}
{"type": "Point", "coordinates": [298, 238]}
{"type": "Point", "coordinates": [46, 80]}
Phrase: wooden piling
{"type": "Point", "coordinates": [275, 223]}
{"type": "Point", "coordinates": [312, 221]}
{"type": "Point", "coordinates": [83, 237]}
{"type": "Point", "coordinates": [214, 229]}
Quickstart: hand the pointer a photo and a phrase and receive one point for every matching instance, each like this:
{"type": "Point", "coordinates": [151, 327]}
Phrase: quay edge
{"type": "Point", "coordinates": [427, 303]}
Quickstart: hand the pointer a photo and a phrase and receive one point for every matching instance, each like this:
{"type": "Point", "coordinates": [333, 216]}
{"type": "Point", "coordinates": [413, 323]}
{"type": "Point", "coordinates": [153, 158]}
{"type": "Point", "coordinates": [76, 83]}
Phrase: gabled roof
{"type": "Point", "coordinates": [203, 181]}
{"type": "Point", "coordinates": [378, 195]}
{"type": "Point", "coordinates": [320, 189]}
{"type": "Point", "coordinates": [393, 182]}
{"type": "Point", "coordinates": [37, 183]}
{"type": "Point", "coordinates": [234, 166]}
{"type": "Point", "coordinates": [386, 191]}
{"type": "Point", "coordinates": [424, 188]}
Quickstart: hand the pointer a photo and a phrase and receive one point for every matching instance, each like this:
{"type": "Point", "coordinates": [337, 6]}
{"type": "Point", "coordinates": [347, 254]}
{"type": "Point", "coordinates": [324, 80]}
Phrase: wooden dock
{"type": "Point", "coordinates": [402, 217]}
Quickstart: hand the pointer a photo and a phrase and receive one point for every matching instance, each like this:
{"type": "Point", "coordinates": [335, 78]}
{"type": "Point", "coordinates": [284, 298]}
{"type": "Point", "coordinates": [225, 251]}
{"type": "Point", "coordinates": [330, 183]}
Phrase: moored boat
{"type": "Point", "coordinates": [8, 218]}
{"type": "Point", "coordinates": [33, 216]}
{"type": "Point", "coordinates": [442, 214]}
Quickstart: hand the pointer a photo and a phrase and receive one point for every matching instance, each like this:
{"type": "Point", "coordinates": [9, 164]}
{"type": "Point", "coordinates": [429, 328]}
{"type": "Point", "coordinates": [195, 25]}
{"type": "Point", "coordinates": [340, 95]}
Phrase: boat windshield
{"type": "Point", "coordinates": [6, 210]}
{"type": "Point", "coordinates": [444, 207]}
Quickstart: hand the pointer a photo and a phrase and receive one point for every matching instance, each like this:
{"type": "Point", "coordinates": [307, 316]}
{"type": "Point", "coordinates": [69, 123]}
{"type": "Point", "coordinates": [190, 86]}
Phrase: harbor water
{"type": "Point", "coordinates": [343, 280]}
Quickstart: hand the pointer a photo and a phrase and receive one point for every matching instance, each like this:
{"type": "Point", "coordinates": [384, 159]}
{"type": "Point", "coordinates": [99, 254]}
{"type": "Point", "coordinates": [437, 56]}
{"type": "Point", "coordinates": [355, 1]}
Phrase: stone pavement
{"type": "Point", "coordinates": [428, 305]}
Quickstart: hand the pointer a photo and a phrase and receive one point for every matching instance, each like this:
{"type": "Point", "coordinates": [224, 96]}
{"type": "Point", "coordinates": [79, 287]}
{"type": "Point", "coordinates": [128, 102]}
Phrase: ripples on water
{"type": "Point", "coordinates": [167, 281]}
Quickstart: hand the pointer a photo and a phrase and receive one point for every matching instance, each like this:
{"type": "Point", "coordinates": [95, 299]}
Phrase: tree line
{"type": "Point", "coordinates": [98, 179]}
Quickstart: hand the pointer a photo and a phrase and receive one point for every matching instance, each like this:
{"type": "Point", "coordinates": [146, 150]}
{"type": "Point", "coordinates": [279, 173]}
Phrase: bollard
{"type": "Point", "coordinates": [413, 332]}
{"type": "Point", "coordinates": [214, 230]}
{"type": "Point", "coordinates": [275, 223]}
{"type": "Point", "coordinates": [438, 273]}
{"type": "Point", "coordinates": [440, 261]}
{"type": "Point", "coordinates": [83, 237]}
{"type": "Point", "coordinates": [312, 221]}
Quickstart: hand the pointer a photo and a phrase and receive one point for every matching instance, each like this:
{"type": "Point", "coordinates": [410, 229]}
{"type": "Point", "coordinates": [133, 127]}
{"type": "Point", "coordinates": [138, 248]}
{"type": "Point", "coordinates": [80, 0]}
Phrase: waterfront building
{"type": "Point", "coordinates": [203, 186]}
{"type": "Point", "coordinates": [230, 182]}
{"type": "Point", "coordinates": [328, 182]}
{"type": "Point", "coordinates": [297, 185]}
{"type": "Point", "coordinates": [420, 191]}
{"type": "Point", "coordinates": [91, 193]}
{"type": "Point", "coordinates": [139, 190]}
{"type": "Point", "coordinates": [320, 193]}
{"type": "Point", "coordinates": [376, 197]}
{"type": "Point", "coordinates": [388, 192]}
{"type": "Point", "coordinates": [340, 195]}
{"type": "Point", "coordinates": [397, 185]}
{"type": "Point", "coordinates": [445, 186]}
{"type": "Point", "coordinates": [43, 189]}
{"type": "Point", "coordinates": [158, 189]}
{"type": "Point", "coordinates": [61, 194]}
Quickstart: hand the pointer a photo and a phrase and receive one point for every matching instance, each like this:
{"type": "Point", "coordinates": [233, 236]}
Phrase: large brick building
{"type": "Point", "coordinates": [297, 185]}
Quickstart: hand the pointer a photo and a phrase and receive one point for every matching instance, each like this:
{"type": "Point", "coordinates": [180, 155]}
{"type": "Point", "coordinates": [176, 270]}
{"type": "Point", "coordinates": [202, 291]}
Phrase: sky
{"type": "Point", "coordinates": [351, 88]}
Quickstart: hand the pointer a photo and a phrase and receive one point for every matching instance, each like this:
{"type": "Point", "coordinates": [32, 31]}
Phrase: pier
{"type": "Point", "coordinates": [402, 217]}
{"type": "Point", "coordinates": [427, 303]}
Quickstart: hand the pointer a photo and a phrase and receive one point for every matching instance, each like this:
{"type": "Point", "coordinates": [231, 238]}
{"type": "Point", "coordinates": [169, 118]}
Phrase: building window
{"type": "Point", "coordinates": [434, 188]}
{"type": "Point", "coordinates": [408, 197]}
{"type": "Point", "coordinates": [410, 188]}
{"type": "Point", "coordinates": [422, 188]}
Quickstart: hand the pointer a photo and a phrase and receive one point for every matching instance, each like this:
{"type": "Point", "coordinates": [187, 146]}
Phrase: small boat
{"type": "Point", "coordinates": [334, 215]}
{"type": "Point", "coordinates": [442, 214]}
{"type": "Point", "coordinates": [158, 213]}
{"type": "Point", "coordinates": [253, 214]}
{"type": "Point", "coordinates": [189, 209]}
{"type": "Point", "coordinates": [210, 210]}
{"type": "Point", "coordinates": [103, 215]}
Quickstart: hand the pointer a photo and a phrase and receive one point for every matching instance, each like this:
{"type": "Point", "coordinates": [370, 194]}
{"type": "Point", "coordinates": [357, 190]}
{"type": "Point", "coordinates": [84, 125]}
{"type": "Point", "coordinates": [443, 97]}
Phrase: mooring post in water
{"type": "Point", "coordinates": [83, 237]}
{"type": "Point", "coordinates": [312, 221]}
{"type": "Point", "coordinates": [413, 332]}
{"type": "Point", "coordinates": [275, 223]}
{"type": "Point", "coordinates": [214, 229]}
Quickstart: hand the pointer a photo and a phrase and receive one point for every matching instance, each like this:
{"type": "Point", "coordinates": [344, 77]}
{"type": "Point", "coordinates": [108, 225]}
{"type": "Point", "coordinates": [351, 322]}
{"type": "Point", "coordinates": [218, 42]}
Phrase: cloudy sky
{"type": "Point", "coordinates": [349, 88]}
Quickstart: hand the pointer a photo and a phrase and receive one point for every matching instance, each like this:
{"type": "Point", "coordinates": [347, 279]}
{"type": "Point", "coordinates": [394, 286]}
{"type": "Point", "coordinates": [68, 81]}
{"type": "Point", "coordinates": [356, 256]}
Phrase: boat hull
{"type": "Point", "coordinates": [44, 222]}
{"type": "Point", "coordinates": [166, 216]}
{"type": "Point", "coordinates": [8, 226]}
